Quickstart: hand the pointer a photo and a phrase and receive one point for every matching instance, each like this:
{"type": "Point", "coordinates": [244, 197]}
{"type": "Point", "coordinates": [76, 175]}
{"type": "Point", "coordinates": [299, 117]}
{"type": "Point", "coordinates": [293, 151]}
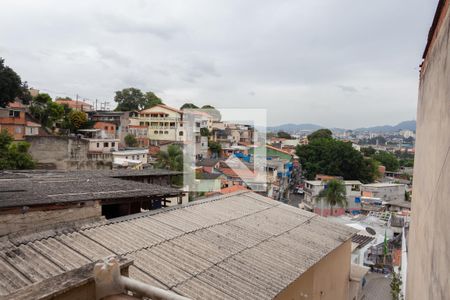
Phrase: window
{"type": "Point", "coordinates": [18, 129]}
{"type": "Point", "coordinates": [180, 133]}
{"type": "Point", "coordinates": [106, 127]}
{"type": "Point", "coordinates": [156, 131]}
{"type": "Point", "coordinates": [105, 144]}
{"type": "Point", "coordinates": [166, 132]}
{"type": "Point", "coordinates": [98, 145]}
{"type": "Point", "coordinates": [14, 113]}
{"type": "Point", "coordinates": [113, 144]}
{"type": "Point", "coordinates": [112, 128]}
{"type": "Point", "coordinates": [160, 132]}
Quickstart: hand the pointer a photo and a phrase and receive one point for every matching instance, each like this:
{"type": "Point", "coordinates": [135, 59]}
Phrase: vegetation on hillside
{"type": "Point", "coordinates": [11, 86]}
{"type": "Point", "coordinates": [131, 141]}
{"type": "Point", "coordinates": [131, 99]}
{"type": "Point", "coordinates": [320, 134]}
{"type": "Point", "coordinates": [284, 135]}
{"type": "Point", "coordinates": [14, 155]}
{"type": "Point", "coordinates": [325, 155]}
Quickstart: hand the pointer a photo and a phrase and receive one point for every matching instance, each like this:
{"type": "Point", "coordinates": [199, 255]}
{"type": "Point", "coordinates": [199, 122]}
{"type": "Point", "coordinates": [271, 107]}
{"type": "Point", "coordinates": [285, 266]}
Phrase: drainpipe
{"type": "Point", "coordinates": [149, 291]}
{"type": "Point", "coordinates": [109, 282]}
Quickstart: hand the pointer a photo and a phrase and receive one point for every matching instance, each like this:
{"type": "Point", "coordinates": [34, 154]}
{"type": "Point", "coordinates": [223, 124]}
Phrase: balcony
{"type": "Point", "coordinates": [173, 119]}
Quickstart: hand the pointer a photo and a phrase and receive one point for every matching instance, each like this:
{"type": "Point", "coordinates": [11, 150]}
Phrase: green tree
{"type": "Point", "coordinates": [284, 135]}
{"type": "Point", "coordinates": [368, 151]}
{"type": "Point", "coordinates": [320, 134]}
{"type": "Point", "coordinates": [172, 159]}
{"type": "Point", "coordinates": [25, 94]}
{"type": "Point", "coordinates": [204, 131]}
{"type": "Point", "coordinates": [131, 141]}
{"type": "Point", "coordinates": [334, 194]}
{"type": "Point", "coordinates": [77, 119]}
{"type": "Point", "coordinates": [188, 106]}
{"type": "Point", "coordinates": [130, 99]}
{"type": "Point", "coordinates": [211, 110]}
{"type": "Point", "coordinates": [214, 148]}
{"type": "Point", "coordinates": [333, 157]}
{"type": "Point", "coordinates": [10, 84]}
{"type": "Point", "coordinates": [14, 155]}
{"type": "Point", "coordinates": [388, 160]}
{"type": "Point", "coordinates": [46, 111]}
{"type": "Point", "coordinates": [151, 100]}
{"type": "Point", "coordinates": [396, 286]}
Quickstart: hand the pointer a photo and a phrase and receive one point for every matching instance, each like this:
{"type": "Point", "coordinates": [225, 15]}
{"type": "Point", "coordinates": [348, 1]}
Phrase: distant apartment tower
{"type": "Point", "coordinates": [429, 239]}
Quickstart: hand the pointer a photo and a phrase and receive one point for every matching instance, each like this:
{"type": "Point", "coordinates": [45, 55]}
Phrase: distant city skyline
{"type": "Point", "coordinates": [345, 64]}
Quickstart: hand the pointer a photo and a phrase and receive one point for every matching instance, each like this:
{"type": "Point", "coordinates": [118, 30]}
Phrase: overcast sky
{"type": "Point", "coordinates": [337, 63]}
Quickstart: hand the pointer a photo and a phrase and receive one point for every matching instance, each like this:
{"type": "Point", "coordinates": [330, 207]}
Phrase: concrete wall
{"type": "Point", "coordinates": [64, 153]}
{"type": "Point", "coordinates": [50, 150]}
{"type": "Point", "coordinates": [394, 192]}
{"type": "Point", "coordinates": [326, 280]}
{"type": "Point", "coordinates": [16, 221]}
{"type": "Point", "coordinates": [429, 241]}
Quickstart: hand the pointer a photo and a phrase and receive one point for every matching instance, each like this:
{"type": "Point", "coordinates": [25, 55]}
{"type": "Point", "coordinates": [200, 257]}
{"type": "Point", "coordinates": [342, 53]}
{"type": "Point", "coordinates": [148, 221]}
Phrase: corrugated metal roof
{"type": "Point", "coordinates": [237, 246]}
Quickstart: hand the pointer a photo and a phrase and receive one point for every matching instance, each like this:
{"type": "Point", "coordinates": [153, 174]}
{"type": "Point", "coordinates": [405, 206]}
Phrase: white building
{"type": "Point", "coordinates": [314, 187]}
{"type": "Point", "coordinates": [134, 158]}
{"type": "Point", "coordinates": [99, 142]}
{"type": "Point", "coordinates": [385, 191]}
{"type": "Point", "coordinates": [407, 133]}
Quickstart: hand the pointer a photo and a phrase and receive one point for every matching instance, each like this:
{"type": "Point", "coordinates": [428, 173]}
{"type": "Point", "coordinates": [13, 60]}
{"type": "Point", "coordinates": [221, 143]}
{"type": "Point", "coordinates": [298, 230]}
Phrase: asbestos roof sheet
{"type": "Point", "coordinates": [66, 189]}
{"type": "Point", "coordinates": [235, 246]}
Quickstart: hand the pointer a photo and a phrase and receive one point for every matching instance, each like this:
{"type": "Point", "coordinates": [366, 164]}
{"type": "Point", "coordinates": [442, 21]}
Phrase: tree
{"type": "Point", "coordinates": [188, 106]}
{"type": "Point", "coordinates": [14, 155]}
{"type": "Point", "coordinates": [388, 160]}
{"type": "Point", "coordinates": [214, 148]}
{"type": "Point", "coordinates": [213, 112]}
{"type": "Point", "coordinates": [334, 194]}
{"type": "Point", "coordinates": [320, 134]}
{"type": "Point", "coordinates": [151, 100]}
{"type": "Point", "coordinates": [396, 286]}
{"type": "Point", "coordinates": [284, 135]}
{"type": "Point", "coordinates": [130, 99]}
{"type": "Point", "coordinates": [25, 94]}
{"type": "Point", "coordinates": [10, 84]}
{"type": "Point", "coordinates": [172, 159]}
{"type": "Point", "coordinates": [46, 111]}
{"type": "Point", "coordinates": [204, 131]}
{"type": "Point", "coordinates": [77, 119]}
{"type": "Point", "coordinates": [333, 157]}
{"type": "Point", "coordinates": [368, 151]}
{"type": "Point", "coordinates": [131, 141]}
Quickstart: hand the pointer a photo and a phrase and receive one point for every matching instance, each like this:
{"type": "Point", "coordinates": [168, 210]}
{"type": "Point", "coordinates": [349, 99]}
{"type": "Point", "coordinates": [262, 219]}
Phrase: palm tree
{"type": "Point", "coordinates": [334, 194]}
{"type": "Point", "coordinates": [172, 159]}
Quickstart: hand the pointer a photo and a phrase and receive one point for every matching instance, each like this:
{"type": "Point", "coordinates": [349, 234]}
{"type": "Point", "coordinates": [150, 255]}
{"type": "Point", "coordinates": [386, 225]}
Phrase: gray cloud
{"type": "Point", "coordinates": [122, 25]}
{"type": "Point", "coordinates": [348, 88]}
{"type": "Point", "coordinates": [328, 62]}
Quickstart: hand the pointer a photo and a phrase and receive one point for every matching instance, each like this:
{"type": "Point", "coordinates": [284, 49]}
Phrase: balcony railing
{"type": "Point", "coordinates": [160, 118]}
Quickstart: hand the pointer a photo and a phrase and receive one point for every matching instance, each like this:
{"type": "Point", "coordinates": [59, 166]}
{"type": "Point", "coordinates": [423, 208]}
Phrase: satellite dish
{"type": "Point", "coordinates": [370, 230]}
